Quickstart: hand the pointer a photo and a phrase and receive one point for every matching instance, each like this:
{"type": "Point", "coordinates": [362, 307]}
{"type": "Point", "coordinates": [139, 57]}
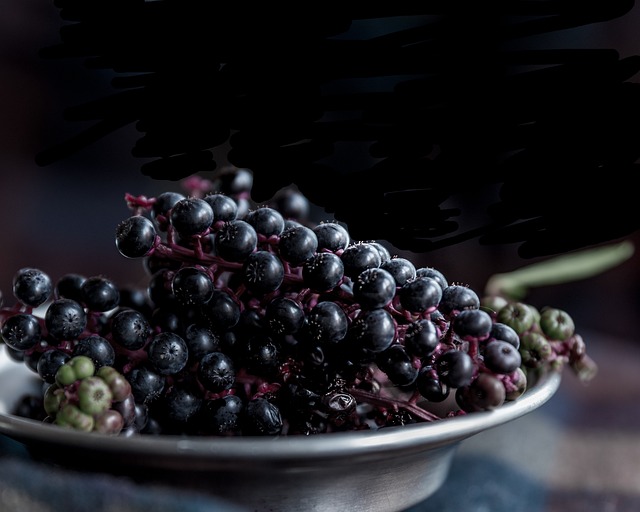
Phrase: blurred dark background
{"type": "Point", "coordinates": [61, 217]}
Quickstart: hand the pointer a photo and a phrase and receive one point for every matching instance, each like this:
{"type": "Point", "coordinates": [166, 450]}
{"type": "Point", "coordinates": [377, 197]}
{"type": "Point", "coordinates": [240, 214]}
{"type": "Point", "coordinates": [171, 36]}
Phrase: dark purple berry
{"type": "Point", "coordinates": [323, 272]}
{"type": "Point", "coordinates": [472, 324]}
{"type": "Point", "coordinates": [191, 216]}
{"type": "Point", "coordinates": [261, 418]}
{"type": "Point", "coordinates": [224, 207]}
{"type": "Point", "coordinates": [216, 372]}
{"type": "Point", "coordinates": [168, 353]}
{"type": "Point", "coordinates": [456, 298]}
{"type": "Point", "coordinates": [266, 221]}
{"type": "Point", "coordinates": [100, 294]}
{"type": "Point", "coordinates": [500, 331]}
{"type": "Point", "coordinates": [262, 272]}
{"type": "Point", "coordinates": [65, 319]}
{"type": "Point", "coordinates": [21, 331]}
{"type": "Point", "coordinates": [297, 244]}
{"type": "Point", "coordinates": [455, 368]}
{"type": "Point", "coordinates": [130, 329]}
{"type": "Point", "coordinates": [501, 357]}
{"type": "Point", "coordinates": [358, 257]}
{"type": "Point", "coordinates": [374, 288]}
{"type": "Point", "coordinates": [401, 269]}
{"type": "Point", "coordinates": [235, 240]}
{"type": "Point", "coordinates": [484, 393]}
{"type": "Point", "coordinates": [97, 348]}
{"type": "Point", "coordinates": [421, 338]}
{"type": "Point", "coordinates": [331, 236]}
{"type": "Point", "coordinates": [420, 295]}
{"type": "Point", "coordinates": [135, 237]}
{"type": "Point", "coordinates": [192, 285]}
{"type": "Point", "coordinates": [32, 287]}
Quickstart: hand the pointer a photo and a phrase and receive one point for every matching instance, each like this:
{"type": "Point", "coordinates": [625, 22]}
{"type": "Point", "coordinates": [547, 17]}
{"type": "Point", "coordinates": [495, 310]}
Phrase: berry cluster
{"type": "Point", "coordinates": [256, 321]}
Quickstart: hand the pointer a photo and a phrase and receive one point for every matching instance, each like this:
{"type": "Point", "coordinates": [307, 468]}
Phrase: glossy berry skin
{"type": "Point", "coordinates": [200, 341]}
{"type": "Point", "coordinates": [472, 324]}
{"type": "Point", "coordinates": [359, 257]}
{"type": "Point", "coordinates": [284, 316]}
{"type": "Point", "coordinates": [374, 288]}
{"type": "Point", "coordinates": [297, 244]}
{"type": "Point", "coordinates": [421, 338]}
{"type": "Point", "coordinates": [291, 204]}
{"type": "Point", "coordinates": [224, 207]}
{"type": "Point", "coordinates": [500, 331]}
{"type": "Point", "coordinates": [49, 363]}
{"type": "Point", "coordinates": [222, 312]}
{"type": "Point", "coordinates": [221, 416]}
{"type": "Point", "coordinates": [235, 240]}
{"type": "Point", "coordinates": [433, 273]}
{"type": "Point", "coordinates": [455, 368]}
{"type": "Point", "coordinates": [21, 331]}
{"type": "Point", "coordinates": [168, 353]}
{"type": "Point", "coordinates": [373, 331]}
{"type": "Point", "coordinates": [430, 387]}
{"type": "Point", "coordinates": [216, 372]}
{"type": "Point", "coordinates": [262, 272]}
{"type": "Point", "coordinates": [97, 348]}
{"type": "Point", "coordinates": [32, 287]}
{"type": "Point", "coordinates": [179, 408]}
{"type": "Point", "coordinates": [323, 271]}
{"type": "Point", "coordinates": [65, 319]}
{"type": "Point", "coordinates": [456, 298]}
{"type": "Point", "coordinates": [261, 418]}
{"type": "Point", "coordinates": [266, 221]}
{"type": "Point", "coordinates": [420, 295]}
{"type": "Point", "coordinates": [326, 322]}
{"type": "Point", "coordinates": [192, 285]}
{"type": "Point", "coordinates": [161, 209]}
{"type": "Point", "coordinates": [331, 236]}
{"type": "Point", "coordinates": [485, 393]}
{"type": "Point", "coordinates": [100, 294]}
{"type": "Point", "coordinates": [69, 286]}
{"type": "Point", "coordinates": [401, 269]}
{"type": "Point", "coordinates": [130, 329]}
{"type": "Point", "coordinates": [398, 365]}
{"type": "Point", "coordinates": [147, 384]}
{"type": "Point", "coordinates": [191, 216]}
{"type": "Point", "coordinates": [501, 357]}
{"type": "Point", "coordinates": [135, 236]}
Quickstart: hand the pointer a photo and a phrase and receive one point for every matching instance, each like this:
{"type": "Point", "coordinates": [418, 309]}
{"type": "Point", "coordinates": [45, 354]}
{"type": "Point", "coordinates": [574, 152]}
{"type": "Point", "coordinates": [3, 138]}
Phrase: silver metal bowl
{"type": "Point", "coordinates": [386, 470]}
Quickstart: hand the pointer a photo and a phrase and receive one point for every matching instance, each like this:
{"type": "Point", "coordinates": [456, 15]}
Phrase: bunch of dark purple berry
{"type": "Point", "coordinates": [256, 321]}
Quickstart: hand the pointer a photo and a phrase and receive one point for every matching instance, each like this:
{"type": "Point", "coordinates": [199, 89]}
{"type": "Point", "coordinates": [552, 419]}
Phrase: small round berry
{"type": "Point", "coordinates": [32, 287]}
{"type": "Point", "coordinates": [135, 236]}
{"type": "Point", "coordinates": [191, 216]}
{"type": "Point", "coordinates": [65, 319]}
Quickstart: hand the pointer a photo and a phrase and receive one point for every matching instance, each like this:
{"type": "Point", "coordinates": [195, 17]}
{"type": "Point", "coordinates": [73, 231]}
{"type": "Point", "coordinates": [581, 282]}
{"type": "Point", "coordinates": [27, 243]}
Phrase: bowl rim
{"type": "Point", "coordinates": [269, 448]}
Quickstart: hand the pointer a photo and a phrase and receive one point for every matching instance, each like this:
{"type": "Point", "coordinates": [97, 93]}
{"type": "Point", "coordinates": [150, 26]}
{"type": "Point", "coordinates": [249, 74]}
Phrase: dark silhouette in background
{"type": "Point", "coordinates": [475, 138]}
{"type": "Point", "coordinates": [436, 107]}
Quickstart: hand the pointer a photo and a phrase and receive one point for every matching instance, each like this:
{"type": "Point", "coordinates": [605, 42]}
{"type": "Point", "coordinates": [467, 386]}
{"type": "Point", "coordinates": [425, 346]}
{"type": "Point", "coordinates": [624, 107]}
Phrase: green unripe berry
{"type": "Point", "coordinates": [94, 396]}
{"type": "Point", "coordinates": [119, 385]}
{"type": "Point", "coordinates": [534, 349]}
{"type": "Point", "coordinates": [71, 416]}
{"type": "Point", "coordinates": [556, 324]}
{"type": "Point", "coordinates": [76, 368]}
{"type": "Point", "coordinates": [53, 399]}
{"type": "Point", "coordinates": [493, 303]}
{"type": "Point", "coordinates": [517, 315]}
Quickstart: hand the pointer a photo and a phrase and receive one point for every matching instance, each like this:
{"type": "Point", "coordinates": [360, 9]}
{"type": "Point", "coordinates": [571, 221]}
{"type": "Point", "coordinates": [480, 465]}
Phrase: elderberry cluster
{"type": "Point", "coordinates": [256, 321]}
